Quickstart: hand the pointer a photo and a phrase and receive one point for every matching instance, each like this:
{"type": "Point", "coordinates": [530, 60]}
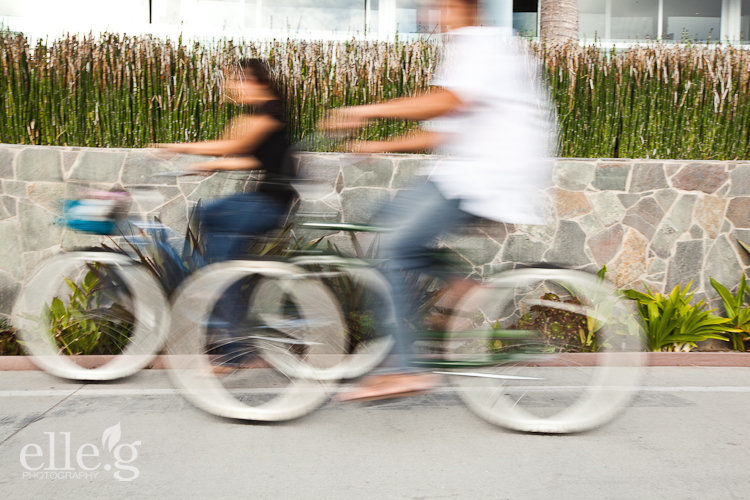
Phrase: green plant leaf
{"type": "Point", "coordinates": [672, 320]}
{"type": "Point", "coordinates": [58, 308]}
{"type": "Point", "coordinates": [730, 302]}
{"type": "Point", "coordinates": [602, 273]}
{"type": "Point", "coordinates": [91, 280]}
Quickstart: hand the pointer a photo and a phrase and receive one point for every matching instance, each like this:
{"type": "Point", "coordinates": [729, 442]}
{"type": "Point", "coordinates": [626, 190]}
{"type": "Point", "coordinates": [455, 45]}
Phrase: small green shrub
{"type": "Point", "coordinates": [672, 323]}
{"type": "Point", "coordinates": [359, 305]}
{"type": "Point", "coordinates": [561, 330]}
{"type": "Point", "coordinates": [9, 345]}
{"type": "Point", "coordinates": [737, 312]}
{"type": "Point", "coordinates": [90, 320]}
{"type": "Point", "coordinates": [567, 331]}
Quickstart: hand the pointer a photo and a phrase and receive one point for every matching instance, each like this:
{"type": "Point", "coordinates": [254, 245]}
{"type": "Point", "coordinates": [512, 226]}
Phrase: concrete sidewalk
{"type": "Point", "coordinates": [685, 436]}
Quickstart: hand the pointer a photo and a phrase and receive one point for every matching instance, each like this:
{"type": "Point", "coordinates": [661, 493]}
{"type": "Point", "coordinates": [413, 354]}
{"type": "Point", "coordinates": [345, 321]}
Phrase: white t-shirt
{"type": "Point", "coordinates": [499, 146]}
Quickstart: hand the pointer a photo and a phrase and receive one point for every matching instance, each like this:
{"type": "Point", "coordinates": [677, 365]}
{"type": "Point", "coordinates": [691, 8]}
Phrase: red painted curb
{"type": "Point", "coordinates": [21, 363]}
{"type": "Point", "coordinates": [716, 359]}
{"type": "Point", "coordinates": [728, 359]}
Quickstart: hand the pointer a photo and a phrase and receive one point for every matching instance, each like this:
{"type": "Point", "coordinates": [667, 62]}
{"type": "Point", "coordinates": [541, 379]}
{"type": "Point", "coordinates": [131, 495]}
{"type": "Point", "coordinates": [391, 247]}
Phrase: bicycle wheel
{"type": "Point", "coordinates": [248, 372]}
{"type": "Point", "coordinates": [366, 305]}
{"type": "Point", "coordinates": [545, 350]}
{"type": "Point", "coordinates": [89, 303]}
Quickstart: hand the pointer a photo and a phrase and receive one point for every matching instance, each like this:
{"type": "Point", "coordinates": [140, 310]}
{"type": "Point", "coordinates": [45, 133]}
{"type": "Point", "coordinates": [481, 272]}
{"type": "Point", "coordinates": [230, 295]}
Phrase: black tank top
{"type": "Point", "coordinates": [274, 155]}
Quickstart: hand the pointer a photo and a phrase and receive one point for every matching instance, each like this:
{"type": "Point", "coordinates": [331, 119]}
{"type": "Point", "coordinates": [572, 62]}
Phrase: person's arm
{"type": "Point", "coordinates": [237, 163]}
{"type": "Point", "coordinates": [253, 131]}
{"type": "Point", "coordinates": [437, 102]}
{"type": "Point", "coordinates": [409, 143]}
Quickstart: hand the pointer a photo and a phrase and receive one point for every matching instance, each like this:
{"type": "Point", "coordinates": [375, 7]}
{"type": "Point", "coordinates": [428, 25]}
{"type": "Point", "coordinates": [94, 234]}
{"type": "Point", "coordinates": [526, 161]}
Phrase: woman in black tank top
{"type": "Point", "coordinates": [256, 140]}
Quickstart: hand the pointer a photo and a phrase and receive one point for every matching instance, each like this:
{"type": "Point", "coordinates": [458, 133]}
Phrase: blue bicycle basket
{"type": "Point", "coordinates": [89, 216]}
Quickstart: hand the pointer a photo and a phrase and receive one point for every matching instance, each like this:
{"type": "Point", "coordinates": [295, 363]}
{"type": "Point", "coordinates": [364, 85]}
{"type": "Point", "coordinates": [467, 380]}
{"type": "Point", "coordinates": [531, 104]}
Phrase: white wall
{"type": "Point", "coordinates": [336, 19]}
{"type": "Point", "coordinates": [54, 17]}
{"type": "Point", "coordinates": [202, 18]}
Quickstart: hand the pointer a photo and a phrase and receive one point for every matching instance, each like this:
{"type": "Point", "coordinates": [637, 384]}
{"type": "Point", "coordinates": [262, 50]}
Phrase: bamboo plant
{"type": "Point", "coordinates": [655, 101]}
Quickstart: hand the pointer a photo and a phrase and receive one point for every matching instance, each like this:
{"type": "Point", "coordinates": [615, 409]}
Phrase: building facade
{"type": "Point", "coordinates": [601, 20]}
{"type": "Point", "coordinates": [668, 20]}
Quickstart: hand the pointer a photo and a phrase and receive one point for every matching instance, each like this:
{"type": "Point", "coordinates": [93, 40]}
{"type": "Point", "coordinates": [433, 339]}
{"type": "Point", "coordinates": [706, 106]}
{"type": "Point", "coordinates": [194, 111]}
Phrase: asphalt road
{"type": "Point", "coordinates": [687, 435]}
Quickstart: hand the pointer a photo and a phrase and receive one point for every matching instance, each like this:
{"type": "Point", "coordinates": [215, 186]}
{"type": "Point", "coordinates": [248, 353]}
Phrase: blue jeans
{"type": "Point", "coordinates": [416, 218]}
{"type": "Point", "coordinates": [230, 225]}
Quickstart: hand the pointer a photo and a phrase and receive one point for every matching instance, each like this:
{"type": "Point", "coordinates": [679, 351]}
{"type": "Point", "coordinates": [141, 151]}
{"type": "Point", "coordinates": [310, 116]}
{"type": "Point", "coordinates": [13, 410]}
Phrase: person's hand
{"type": "Point", "coordinates": [203, 168]}
{"type": "Point", "coordinates": [164, 146]}
{"type": "Point", "coordinates": [348, 118]}
{"type": "Point", "coordinates": [166, 151]}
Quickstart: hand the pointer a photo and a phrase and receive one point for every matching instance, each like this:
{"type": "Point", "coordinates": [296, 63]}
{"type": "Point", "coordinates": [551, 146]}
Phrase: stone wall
{"type": "Point", "coordinates": [655, 222]}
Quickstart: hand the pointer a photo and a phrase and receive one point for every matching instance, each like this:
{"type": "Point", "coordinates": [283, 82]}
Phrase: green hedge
{"type": "Point", "coordinates": [114, 91]}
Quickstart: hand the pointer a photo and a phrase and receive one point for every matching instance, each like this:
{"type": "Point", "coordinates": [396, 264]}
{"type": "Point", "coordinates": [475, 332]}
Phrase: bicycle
{"type": "Point", "coordinates": [91, 301]}
{"type": "Point", "coordinates": [293, 324]}
{"type": "Point", "coordinates": [502, 346]}
{"type": "Point", "coordinates": [108, 296]}
{"type": "Point", "coordinates": [536, 349]}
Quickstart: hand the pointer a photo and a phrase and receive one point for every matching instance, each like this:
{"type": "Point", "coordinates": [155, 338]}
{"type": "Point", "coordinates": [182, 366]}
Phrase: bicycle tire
{"type": "Point", "coordinates": [521, 384]}
{"type": "Point", "coordinates": [269, 392]}
{"type": "Point", "coordinates": [138, 291]}
{"type": "Point", "coordinates": [368, 354]}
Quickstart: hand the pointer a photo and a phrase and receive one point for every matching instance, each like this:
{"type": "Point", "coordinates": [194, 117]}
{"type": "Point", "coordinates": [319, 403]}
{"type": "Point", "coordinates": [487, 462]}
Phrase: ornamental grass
{"type": "Point", "coordinates": [656, 101]}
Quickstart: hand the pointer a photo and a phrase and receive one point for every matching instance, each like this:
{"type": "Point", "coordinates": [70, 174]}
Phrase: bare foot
{"type": "Point", "coordinates": [391, 386]}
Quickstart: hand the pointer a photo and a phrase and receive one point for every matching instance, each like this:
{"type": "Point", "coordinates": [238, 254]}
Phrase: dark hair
{"type": "Point", "coordinates": [254, 67]}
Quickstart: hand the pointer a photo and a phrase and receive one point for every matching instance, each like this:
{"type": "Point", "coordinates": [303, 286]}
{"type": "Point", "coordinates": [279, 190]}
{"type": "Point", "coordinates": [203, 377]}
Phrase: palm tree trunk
{"type": "Point", "coordinates": [558, 20]}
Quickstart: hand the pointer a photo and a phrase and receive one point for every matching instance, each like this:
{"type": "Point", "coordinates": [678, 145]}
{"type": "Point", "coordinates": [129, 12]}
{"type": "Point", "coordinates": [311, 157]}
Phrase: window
{"type": "Point", "coordinates": [682, 20]}
{"type": "Point", "coordinates": [634, 19]}
{"type": "Point", "coordinates": [313, 15]}
{"type": "Point", "coordinates": [416, 16]}
{"type": "Point", "coordinates": [211, 15]}
{"type": "Point", "coordinates": [745, 21]}
{"type": "Point", "coordinates": [525, 17]}
{"type": "Point", "coordinates": [279, 15]}
{"type": "Point", "coordinates": [692, 20]}
{"type": "Point", "coordinates": [591, 19]}
{"type": "Point", "coordinates": [373, 20]}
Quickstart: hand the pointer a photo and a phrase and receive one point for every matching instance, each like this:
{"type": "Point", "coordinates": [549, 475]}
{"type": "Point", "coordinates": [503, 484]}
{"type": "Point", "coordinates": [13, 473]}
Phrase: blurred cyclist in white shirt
{"type": "Point", "coordinates": [488, 115]}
